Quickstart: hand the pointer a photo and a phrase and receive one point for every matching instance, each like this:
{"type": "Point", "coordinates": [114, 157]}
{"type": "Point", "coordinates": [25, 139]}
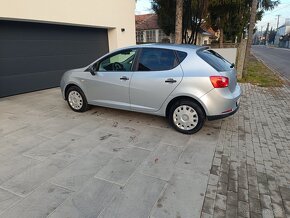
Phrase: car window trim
{"type": "Point", "coordinates": [136, 60]}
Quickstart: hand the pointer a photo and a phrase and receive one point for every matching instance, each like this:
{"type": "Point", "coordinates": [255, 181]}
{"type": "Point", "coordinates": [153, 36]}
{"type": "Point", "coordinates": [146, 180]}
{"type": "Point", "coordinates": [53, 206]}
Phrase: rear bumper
{"type": "Point", "coordinates": [221, 116]}
{"type": "Point", "coordinates": [220, 103]}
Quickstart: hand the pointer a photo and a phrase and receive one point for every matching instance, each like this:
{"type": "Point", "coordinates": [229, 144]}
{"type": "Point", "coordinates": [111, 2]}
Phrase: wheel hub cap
{"type": "Point", "coordinates": [75, 100]}
{"type": "Point", "coordinates": [185, 117]}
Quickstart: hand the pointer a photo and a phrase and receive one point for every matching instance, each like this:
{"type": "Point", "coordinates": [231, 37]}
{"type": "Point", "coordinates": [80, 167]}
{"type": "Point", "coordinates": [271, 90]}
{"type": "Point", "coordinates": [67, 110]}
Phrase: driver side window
{"type": "Point", "coordinates": [121, 61]}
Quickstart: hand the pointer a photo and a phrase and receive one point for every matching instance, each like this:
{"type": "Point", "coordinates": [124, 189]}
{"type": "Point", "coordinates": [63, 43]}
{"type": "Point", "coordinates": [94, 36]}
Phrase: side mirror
{"type": "Point", "coordinates": [91, 70]}
{"type": "Point", "coordinates": [232, 65]}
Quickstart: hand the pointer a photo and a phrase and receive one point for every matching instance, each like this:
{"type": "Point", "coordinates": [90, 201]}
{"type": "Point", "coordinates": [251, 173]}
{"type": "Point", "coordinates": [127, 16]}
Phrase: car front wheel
{"type": "Point", "coordinates": [76, 99]}
{"type": "Point", "coordinates": [186, 116]}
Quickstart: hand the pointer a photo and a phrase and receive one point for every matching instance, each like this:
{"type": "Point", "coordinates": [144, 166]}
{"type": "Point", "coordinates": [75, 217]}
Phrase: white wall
{"type": "Point", "coordinates": [110, 14]}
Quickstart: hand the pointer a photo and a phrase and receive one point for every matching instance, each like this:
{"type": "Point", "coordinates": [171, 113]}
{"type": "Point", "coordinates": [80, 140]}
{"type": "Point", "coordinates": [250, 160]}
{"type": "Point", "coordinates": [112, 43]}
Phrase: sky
{"type": "Point", "coordinates": [283, 9]}
{"type": "Point", "coordinates": [144, 7]}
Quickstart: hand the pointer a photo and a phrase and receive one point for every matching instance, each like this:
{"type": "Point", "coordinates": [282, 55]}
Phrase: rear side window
{"type": "Point", "coordinates": [155, 59]}
{"type": "Point", "coordinates": [181, 55]}
{"type": "Point", "coordinates": [215, 60]}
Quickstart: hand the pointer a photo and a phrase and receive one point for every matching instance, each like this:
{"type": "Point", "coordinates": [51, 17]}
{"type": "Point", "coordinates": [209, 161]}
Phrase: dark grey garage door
{"type": "Point", "coordinates": [33, 56]}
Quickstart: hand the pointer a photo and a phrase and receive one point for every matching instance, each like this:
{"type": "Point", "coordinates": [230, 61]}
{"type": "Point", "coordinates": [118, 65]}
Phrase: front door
{"type": "Point", "coordinates": [158, 74]}
{"type": "Point", "coordinates": [109, 86]}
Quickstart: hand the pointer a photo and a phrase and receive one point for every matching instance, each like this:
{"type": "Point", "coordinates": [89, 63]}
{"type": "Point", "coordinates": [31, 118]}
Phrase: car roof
{"type": "Point", "coordinates": [179, 47]}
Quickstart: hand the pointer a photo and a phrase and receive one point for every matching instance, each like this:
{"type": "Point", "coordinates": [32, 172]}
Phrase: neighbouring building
{"type": "Point", "coordinates": [206, 35]}
{"type": "Point", "coordinates": [40, 40]}
{"type": "Point", "coordinates": [282, 35]}
{"type": "Point", "coordinates": [148, 31]}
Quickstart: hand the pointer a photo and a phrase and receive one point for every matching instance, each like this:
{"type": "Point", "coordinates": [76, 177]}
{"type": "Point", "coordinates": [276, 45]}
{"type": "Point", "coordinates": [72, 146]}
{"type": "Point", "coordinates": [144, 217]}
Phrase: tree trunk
{"type": "Point", "coordinates": [250, 35]}
{"type": "Point", "coordinates": [221, 41]}
{"type": "Point", "coordinates": [178, 21]}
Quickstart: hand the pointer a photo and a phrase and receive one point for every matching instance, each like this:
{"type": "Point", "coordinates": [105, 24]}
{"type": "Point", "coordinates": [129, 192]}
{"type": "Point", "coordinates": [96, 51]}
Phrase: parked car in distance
{"type": "Point", "coordinates": [185, 83]}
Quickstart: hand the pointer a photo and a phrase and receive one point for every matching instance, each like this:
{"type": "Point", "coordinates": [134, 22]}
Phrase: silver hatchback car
{"type": "Point", "coordinates": [185, 83]}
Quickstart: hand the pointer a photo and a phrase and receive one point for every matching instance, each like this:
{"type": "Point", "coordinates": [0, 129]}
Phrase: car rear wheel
{"type": "Point", "coordinates": [186, 116]}
{"type": "Point", "coordinates": [76, 99]}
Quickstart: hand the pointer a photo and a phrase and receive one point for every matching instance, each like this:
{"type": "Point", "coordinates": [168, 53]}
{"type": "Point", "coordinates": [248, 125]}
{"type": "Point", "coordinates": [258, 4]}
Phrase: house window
{"type": "Point", "coordinates": [162, 37]}
{"type": "Point", "coordinates": [139, 36]}
{"type": "Point", "coordinates": [150, 36]}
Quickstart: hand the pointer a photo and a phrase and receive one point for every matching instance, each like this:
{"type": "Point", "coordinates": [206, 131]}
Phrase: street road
{"type": "Point", "coordinates": [276, 58]}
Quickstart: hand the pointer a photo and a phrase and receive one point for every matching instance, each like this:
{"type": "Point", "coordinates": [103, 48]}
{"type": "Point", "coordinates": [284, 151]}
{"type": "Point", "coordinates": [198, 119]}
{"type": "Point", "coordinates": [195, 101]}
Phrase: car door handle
{"type": "Point", "coordinates": [124, 78]}
{"type": "Point", "coordinates": [170, 80]}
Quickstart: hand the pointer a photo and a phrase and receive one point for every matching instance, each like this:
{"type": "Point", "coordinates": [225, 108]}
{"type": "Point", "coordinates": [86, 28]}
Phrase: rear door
{"type": "Point", "coordinates": [158, 74]}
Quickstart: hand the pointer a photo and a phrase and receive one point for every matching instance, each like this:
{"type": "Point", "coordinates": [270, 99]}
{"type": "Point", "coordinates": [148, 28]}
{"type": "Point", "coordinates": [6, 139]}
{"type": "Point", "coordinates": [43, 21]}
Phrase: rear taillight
{"type": "Point", "coordinates": [219, 81]}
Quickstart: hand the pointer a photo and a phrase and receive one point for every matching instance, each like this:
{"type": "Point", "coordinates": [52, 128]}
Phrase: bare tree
{"type": "Point", "coordinates": [250, 35]}
{"type": "Point", "coordinates": [178, 21]}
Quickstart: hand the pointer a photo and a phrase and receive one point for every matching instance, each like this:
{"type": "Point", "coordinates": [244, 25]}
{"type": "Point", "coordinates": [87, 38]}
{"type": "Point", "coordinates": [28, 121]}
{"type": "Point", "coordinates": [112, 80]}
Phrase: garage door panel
{"type": "Point", "coordinates": [33, 56]}
{"type": "Point", "coordinates": [41, 31]}
{"type": "Point", "coordinates": [13, 48]}
{"type": "Point", "coordinates": [27, 65]}
{"type": "Point", "coordinates": [21, 83]}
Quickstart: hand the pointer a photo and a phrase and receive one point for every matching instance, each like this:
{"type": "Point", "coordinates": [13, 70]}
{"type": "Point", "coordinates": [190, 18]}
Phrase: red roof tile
{"type": "Point", "coordinates": [207, 29]}
{"type": "Point", "coordinates": [146, 22]}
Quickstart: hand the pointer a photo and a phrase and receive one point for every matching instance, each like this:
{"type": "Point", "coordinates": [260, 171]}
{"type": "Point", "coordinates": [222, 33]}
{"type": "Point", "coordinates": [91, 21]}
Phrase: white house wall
{"type": "Point", "coordinates": [111, 14]}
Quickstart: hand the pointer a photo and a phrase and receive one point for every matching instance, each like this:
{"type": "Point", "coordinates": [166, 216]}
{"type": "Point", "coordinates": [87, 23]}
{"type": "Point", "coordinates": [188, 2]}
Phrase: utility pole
{"type": "Point", "coordinates": [267, 34]}
{"type": "Point", "coordinates": [277, 34]}
{"type": "Point", "coordinates": [278, 21]}
{"type": "Point", "coordinates": [261, 35]}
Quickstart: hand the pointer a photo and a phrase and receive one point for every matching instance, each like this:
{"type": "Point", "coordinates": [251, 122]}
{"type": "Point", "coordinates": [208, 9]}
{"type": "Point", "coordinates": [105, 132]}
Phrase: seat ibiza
{"type": "Point", "coordinates": [185, 83]}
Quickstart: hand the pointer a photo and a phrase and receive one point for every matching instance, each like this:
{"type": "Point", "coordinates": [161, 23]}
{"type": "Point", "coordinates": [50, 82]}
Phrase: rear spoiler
{"type": "Point", "coordinates": [202, 48]}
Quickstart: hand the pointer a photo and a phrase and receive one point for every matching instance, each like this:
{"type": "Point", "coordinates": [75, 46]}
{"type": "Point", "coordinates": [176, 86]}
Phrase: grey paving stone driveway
{"type": "Point", "coordinates": [114, 164]}
{"type": "Point", "coordinates": [102, 163]}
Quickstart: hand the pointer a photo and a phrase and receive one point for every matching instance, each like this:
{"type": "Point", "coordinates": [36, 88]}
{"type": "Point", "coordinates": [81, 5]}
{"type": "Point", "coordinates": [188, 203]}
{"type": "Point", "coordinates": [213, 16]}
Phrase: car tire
{"type": "Point", "coordinates": [186, 116]}
{"type": "Point", "coordinates": [76, 99]}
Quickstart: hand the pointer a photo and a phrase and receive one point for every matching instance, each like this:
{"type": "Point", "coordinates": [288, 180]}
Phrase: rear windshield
{"type": "Point", "coordinates": [215, 60]}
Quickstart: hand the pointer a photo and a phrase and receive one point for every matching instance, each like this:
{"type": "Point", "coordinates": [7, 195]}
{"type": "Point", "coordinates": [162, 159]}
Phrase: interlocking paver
{"type": "Point", "coordinates": [255, 154]}
{"type": "Point", "coordinates": [220, 202]}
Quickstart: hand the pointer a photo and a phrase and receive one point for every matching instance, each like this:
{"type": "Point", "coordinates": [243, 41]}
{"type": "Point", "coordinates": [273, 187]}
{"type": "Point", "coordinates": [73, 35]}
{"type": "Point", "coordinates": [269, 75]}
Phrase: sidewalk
{"type": "Point", "coordinates": [250, 173]}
